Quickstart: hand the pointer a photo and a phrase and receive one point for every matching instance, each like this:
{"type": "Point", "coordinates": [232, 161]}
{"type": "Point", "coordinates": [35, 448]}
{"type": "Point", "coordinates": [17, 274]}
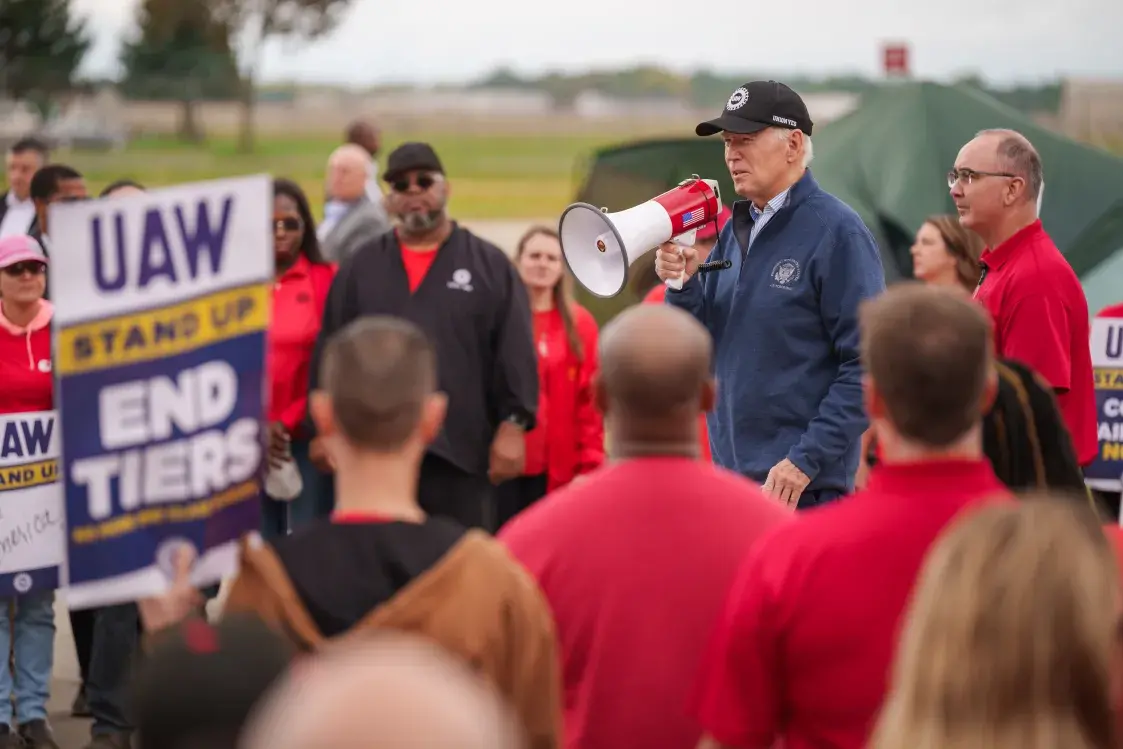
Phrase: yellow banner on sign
{"type": "Point", "coordinates": [28, 475]}
{"type": "Point", "coordinates": [1108, 379]}
{"type": "Point", "coordinates": [158, 333]}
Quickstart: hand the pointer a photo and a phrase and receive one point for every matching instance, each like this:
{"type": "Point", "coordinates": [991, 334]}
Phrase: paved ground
{"type": "Point", "coordinates": [506, 234]}
{"type": "Point", "coordinates": [73, 733]}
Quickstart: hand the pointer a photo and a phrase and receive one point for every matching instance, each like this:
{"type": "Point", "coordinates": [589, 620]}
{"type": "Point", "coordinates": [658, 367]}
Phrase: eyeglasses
{"type": "Point", "coordinates": [287, 224]}
{"type": "Point", "coordinates": [423, 182]}
{"type": "Point", "coordinates": [34, 267]}
{"type": "Point", "coordinates": [967, 176]}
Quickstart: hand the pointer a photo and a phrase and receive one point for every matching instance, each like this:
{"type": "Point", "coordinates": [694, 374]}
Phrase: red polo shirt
{"type": "Point", "coordinates": [635, 560]}
{"type": "Point", "coordinates": [299, 296]}
{"type": "Point", "coordinates": [1041, 319]}
{"type": "Point", "coordinates": [803, 651]}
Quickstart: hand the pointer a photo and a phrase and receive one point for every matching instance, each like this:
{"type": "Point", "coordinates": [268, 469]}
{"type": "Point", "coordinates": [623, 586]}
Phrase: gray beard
{"type": "Point", "coordinates": [422, 223]}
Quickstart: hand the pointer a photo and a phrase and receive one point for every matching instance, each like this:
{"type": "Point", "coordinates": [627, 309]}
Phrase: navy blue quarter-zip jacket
{"type": "Point", "coordinates": [784, 321]}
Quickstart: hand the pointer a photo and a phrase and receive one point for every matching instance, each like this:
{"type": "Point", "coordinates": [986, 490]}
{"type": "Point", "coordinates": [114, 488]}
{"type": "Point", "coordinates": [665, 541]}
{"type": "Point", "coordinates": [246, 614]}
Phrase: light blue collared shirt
{"type": "Point", "coordinates": [760, 218]}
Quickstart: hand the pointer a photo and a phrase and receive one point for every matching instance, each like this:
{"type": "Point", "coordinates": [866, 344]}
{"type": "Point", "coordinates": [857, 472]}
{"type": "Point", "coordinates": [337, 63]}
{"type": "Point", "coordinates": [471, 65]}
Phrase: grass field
{"type": "Point", "coordinates": [493, 176]}
{"type": "Point", "coordinates": [506, 177]}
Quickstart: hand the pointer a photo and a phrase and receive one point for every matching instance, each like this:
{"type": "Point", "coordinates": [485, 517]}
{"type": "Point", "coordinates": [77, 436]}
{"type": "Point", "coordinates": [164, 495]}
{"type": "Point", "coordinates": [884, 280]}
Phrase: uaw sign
{"type": "Point", "coordinates": [162, 305]}
{"type": "Point", "coordinates": [32, 535]}
{"type": "Point", "coordinates": [1106, 473]}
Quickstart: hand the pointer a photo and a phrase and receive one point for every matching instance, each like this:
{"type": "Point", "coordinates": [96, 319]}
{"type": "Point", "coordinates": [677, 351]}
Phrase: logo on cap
{"type": "Point", "coordinates": [737, 99]}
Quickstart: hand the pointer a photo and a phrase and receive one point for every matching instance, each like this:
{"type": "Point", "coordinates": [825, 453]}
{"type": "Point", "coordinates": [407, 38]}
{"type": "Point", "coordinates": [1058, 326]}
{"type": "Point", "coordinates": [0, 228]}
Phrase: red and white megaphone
{"type": "Point", "coordinates": [599, 246]}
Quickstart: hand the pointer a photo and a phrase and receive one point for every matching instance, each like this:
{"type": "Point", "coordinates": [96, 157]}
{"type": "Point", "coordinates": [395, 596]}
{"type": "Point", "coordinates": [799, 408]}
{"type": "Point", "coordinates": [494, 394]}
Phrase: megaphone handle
{"type": "Point", "coordinates": [687, 238]}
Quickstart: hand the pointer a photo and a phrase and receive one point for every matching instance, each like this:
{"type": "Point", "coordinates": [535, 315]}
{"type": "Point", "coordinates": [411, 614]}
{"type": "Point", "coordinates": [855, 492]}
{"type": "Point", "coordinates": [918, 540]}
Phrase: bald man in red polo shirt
{"type": "Point", "coordinates": [802, 654]}
{"type": "Point", "coordinates": [636, 558]}
{"type": "Point", "coordinates": [1038, 305]}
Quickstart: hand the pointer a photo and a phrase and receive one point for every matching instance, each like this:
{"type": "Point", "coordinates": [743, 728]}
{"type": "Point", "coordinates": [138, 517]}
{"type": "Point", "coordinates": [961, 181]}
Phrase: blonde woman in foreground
{"type": "Point", "coordinates": [1012, 640]}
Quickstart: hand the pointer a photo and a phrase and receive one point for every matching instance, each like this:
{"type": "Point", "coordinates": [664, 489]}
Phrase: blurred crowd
{"type": "Point", "coordinates": [784, 506]}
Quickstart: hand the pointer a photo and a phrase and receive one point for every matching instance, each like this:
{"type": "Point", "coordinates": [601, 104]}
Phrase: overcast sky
{"type": "Point", "coordinates": [428, 41]}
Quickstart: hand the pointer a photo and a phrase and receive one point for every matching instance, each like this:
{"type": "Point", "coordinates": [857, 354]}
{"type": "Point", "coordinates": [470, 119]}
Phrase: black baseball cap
{"type": "Point", "coordinates": [409, 157]}
{"type": "Point", "coordinates": [757, 105]}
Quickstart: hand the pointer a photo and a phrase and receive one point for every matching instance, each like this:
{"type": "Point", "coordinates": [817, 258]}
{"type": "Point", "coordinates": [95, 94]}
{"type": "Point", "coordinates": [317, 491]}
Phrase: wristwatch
{"type": "Point", "coordinates": [521, 420]}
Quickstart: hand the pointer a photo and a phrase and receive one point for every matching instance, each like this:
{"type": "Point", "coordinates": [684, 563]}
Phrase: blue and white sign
{"type": "Point", "coordinates": [1106, 473]}
{"type": "Point", "coordinates": [32, 532]}
{"type": "Point", "coordinates": [162, 302]}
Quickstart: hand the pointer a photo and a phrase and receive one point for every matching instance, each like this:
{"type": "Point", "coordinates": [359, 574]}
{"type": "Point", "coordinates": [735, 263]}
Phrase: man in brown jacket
{"type": "Point", "coordinates": [380, 562]}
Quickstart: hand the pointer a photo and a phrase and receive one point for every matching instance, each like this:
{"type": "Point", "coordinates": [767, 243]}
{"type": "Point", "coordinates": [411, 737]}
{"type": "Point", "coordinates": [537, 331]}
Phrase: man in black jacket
{"type": "Point", "coordinates": [466, 295]}
{"type": "Point", "coordinates": [54, 183]}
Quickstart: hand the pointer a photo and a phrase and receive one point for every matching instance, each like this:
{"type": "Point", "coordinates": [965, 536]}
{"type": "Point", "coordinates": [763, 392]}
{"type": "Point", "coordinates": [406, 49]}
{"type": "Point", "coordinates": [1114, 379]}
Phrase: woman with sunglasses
{"type": "Point", "coordinates": [303, 278]}
{"type": "Point", "coordinates": [27, 387]}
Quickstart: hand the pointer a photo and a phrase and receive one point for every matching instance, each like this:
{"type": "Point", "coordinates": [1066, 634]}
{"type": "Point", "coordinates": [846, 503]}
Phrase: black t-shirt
{"type": "Point", "coordinates": [344, 570]}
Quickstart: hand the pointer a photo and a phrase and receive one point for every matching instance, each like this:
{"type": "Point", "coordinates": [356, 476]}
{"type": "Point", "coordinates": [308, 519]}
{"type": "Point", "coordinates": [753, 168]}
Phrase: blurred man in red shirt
{"type": "Point", "coordinates": [1037, 303]}
{"type": "Point", "coordinates": [802, 653]}
{"type": "Point", "coordinates": [704, 242]}
{"type": "Point", "coordinates": [636, 558]}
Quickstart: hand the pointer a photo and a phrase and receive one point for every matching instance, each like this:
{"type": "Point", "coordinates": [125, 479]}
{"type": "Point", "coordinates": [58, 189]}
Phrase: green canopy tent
{"type": "Point", "coordinates": [888, 159]}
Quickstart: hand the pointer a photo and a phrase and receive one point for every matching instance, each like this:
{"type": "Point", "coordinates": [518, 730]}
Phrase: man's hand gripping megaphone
{"type": "Point", "coordinates": [677, 261]}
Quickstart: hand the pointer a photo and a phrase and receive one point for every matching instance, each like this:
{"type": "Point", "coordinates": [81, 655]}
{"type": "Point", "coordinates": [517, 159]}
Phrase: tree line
{"type": "Point", "coordinates": [185, 51]}
{"type": "Point", "coordinates": [705, 88]}
{"type": "Point", "coordinates": [182, 50]}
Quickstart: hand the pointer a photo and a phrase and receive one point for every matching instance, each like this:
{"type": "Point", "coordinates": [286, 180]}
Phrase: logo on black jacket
{"type": "Point", "coordinates": [785, 274]}
{"type": "Point", "coordinates": [461, 279]}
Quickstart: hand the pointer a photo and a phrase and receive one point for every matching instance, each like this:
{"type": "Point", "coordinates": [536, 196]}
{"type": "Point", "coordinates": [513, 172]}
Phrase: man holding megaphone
{"type": "Point", "coordinates": [784, 313]}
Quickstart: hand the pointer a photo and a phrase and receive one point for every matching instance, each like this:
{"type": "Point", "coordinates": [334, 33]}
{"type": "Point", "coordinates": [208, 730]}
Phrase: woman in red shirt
{"type": "Point", "coordinates": [25, 387]}
{"type": "Point", "coordinates": [303, 278]}
{"type": "Point", "coordinates": [569, 437]}
{"type": "Point", "coordinates": [1024, 435]}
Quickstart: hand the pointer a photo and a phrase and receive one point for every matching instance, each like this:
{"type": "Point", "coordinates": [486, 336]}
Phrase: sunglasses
{"type": "Point", "coordinates": [287, 224]}
{"type": "Point", "coordinates": [34, 267]}
{"type": "Point", "coordinates": [423, 182]}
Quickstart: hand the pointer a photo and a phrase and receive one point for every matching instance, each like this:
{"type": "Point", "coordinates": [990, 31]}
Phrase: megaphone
{"type": "Point", "coordinates": [599, 247]}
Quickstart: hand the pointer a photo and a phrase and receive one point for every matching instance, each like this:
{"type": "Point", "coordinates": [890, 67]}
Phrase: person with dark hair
{"type": "Point", "coordinates": [54, 183]}
{"type": "Point", "coordinates": [366, 135]}
{"type": "Point", "coordinates": [568, 440]}
{"type": "Point", "coordinates": [470, 300]}
{"type": "Point", "coordinates": [1025, 436]}
{"type": "Point", "coordinates": [121, 187]}
{"type": "Point", "coordinates": [299, 296]}
{"type": "Point", "coordinates": [802, 654]}
{"type": "Point", "coordinates": [381, 562]}
{"type": "Point", "coordinates": [198, 683]}
{"type": "Point", "coordinates": [17, 211]}
{"type": "Point", "coordinates": [946, 252]}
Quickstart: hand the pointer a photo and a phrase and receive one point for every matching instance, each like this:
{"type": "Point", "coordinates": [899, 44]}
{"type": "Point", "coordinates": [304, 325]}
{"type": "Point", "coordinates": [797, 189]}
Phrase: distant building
{"type": "Point", "coordinates": [1092, 109]}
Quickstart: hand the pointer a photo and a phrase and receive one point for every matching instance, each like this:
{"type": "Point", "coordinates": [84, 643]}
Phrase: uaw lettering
{"type": "Point", "coordinates": [161, 312]}
{"type": "Point", "coordinates": [1106, 473]}
{"type": "Point", "coordinates": [32, 536]}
